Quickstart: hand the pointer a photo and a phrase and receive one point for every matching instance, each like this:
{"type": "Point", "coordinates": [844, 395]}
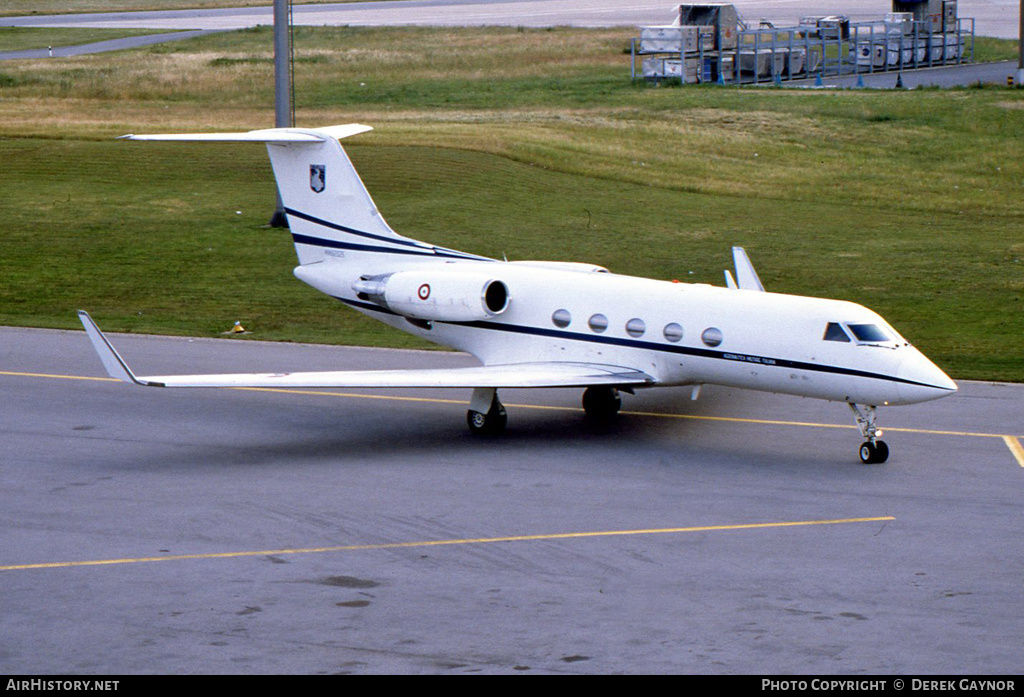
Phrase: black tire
{"type": "Point", "coordinates": [476, 421]}
{"type": "Point", "coordinates": [881, 452]}
{"type": "Point", "coordinates": [867, 453]}
{"type": "Point", "coordinates": [490, 424]}
{"type": "Point", "coordinates": [874, 453]}
{"type": "Point", "coordinates": [601, 403]}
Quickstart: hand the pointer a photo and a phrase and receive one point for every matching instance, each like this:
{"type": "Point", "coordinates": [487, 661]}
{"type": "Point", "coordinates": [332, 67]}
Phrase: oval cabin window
{"type": "Point", "coordinates": [712, 336]}
{"type": "Point", "coordinates": [598, 323]}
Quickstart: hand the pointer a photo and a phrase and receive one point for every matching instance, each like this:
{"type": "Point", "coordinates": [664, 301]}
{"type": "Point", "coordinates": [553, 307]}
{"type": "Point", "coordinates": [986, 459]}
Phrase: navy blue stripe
{"type": "Point", "coordinates": [420, 248]}
{"type": "Point", "coordinates": [351, 231]}
{"type": "Point", "coordinates": [335, 244]}
{"type": "Point", "coordinates": [664, 348]}
{"type": "Point", "coordinates": [693, 351]}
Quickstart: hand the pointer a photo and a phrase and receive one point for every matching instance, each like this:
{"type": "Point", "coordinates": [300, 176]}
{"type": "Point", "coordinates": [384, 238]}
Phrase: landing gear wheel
{"type": "Point", "coordinates": [601, 403]}
{"type": "Point", "coordinates": [490, 424]}
{"type": "Point", "coordinates": [874, 453]}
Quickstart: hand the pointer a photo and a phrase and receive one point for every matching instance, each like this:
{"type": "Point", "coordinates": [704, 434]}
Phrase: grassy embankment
{"type": "Point", "coordinates": [531, 144]}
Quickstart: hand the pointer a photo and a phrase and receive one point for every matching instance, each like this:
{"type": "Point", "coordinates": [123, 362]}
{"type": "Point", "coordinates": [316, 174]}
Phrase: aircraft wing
{"type": "Point", "coordinates": [746, 278]}
{"type": "Point", "coordinates": [535, 374]}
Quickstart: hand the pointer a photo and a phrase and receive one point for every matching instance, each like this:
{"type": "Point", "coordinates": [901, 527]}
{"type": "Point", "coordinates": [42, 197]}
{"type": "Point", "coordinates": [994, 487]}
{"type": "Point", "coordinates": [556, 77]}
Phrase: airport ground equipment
{"type": "Point", "coordinates": [712, 44]}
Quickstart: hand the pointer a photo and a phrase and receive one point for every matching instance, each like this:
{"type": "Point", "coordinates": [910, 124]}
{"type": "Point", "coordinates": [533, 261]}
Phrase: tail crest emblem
{"type": "Point", "coordinates": [317, 177]}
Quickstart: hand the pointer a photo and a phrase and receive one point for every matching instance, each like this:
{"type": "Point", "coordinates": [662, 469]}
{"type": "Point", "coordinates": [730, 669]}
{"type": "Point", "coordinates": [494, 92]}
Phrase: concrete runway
{"type": "Point", "coordinates": [229, 531]}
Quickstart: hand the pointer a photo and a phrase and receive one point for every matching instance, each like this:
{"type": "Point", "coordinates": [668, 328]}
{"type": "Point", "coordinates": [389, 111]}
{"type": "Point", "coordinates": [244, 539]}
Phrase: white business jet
{"type": "Point", "coordinates": [557, 324]}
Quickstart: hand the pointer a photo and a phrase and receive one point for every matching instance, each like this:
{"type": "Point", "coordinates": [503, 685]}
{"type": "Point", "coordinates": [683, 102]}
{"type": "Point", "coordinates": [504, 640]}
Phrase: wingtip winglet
{"type": "Point", "coordinates": [746, 277]}
{"type": "Point", "coordinates": [112, 361]}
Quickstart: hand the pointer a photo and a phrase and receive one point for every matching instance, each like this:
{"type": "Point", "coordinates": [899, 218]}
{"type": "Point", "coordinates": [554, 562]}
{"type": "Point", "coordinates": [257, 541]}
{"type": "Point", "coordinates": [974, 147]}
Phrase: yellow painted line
{"type": "Point", "coordinates": [1015, 447]}
{"type": "Point", "coordinates": [60, 377]}
{"type": "Point", "coordinates": [440, 543]}
{"type": "Point", "coordinates": [811, 424]}
{"type": "Point", "coordinates": [650, 414]}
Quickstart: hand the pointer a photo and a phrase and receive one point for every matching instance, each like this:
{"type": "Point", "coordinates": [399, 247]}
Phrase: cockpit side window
{"type": "Point", "coordinates": [869, 333]}
{"type": "Point", "coordinates": [834, 332]}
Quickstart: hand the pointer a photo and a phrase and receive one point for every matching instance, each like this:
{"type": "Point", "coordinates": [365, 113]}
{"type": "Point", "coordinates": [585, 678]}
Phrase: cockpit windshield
{"type": "Point", "coordinates": [869, 333]}
{"type": "Point", "coordinates": [834, 332]}
{"type": "Point", "coordinates": [861, 333]}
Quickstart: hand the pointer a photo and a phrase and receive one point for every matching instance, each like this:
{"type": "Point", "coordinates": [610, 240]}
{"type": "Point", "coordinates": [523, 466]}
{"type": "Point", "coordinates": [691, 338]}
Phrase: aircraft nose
{"type": "Point", "coordinates": [923, 380]}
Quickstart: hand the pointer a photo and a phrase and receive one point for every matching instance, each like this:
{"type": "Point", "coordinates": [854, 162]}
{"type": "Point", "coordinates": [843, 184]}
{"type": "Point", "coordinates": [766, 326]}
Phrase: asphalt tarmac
{"type": "Point", "coordinates": [945, 76]}
{"type": "Point", "coordinates": [341, 531]}
{"type": "Point", "coordinates": [992, 17]}
{"type": "Point", "coordinates": [336, 531]}
{"type": "Point", "coordinates": [99, 46]}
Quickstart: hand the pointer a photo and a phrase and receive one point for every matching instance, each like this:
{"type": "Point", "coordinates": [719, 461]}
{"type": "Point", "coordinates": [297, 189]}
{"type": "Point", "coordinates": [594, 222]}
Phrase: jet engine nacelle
{"type": "Point", "coordinates": [436, 294]}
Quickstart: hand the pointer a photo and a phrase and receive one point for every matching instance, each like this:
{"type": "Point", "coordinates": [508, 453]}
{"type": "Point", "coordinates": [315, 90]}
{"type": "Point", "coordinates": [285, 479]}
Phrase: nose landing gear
{"type": "Point", "coordinates": [874, 451]}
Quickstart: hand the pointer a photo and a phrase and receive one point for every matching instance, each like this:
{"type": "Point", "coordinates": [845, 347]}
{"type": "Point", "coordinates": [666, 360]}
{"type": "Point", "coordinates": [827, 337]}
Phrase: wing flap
{"type": "Point", "coordinates": [493, 376]}
{"type": "Point", "coordinates": [535, 374]}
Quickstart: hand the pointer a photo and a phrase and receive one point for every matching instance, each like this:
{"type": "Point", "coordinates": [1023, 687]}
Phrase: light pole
{"type": "Point", "coordinates": [1020, 48]}
{"type": "Point", "coordinates": [282, 88]}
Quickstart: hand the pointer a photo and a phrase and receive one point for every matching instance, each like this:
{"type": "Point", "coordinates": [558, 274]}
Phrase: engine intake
{"type": "Point", "coordinates": [436, 295]}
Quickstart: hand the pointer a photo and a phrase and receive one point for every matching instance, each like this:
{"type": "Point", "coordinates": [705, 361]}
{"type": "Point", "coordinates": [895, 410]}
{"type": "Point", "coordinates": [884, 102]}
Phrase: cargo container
{"type": "Point", "coordinates": [721, 16]}
{"type": "Point", "coordinates": [676, 39]}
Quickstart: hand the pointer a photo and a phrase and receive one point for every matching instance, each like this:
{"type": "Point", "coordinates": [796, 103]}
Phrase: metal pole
{"type": "Point", "coordinates": [282, 88]}
{"type": "Point", "coordinates": [1020, 48]}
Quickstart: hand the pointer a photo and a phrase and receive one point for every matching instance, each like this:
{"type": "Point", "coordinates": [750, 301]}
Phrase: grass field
{"type": "Point", "coordinates": [527, 143]}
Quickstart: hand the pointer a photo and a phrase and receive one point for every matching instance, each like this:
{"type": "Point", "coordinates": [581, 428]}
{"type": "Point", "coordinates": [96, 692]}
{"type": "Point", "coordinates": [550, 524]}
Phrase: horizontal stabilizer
{"type": "Point", "coordinates": [495, 376]}
{"type": "Point", "coordinates": [279, 136]}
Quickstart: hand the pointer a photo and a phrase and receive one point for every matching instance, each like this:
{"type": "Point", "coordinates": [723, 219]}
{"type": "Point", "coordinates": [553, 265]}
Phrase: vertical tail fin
{"type": "Point", "coordinates": [327, 205]}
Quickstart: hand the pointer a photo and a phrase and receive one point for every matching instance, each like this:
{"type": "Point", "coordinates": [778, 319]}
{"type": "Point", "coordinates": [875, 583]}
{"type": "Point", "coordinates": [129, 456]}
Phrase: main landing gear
{"type": "Point", "coordinates": [601, 403]}
{"type": "Point", "coordinates": [486, 416]}
{"type": "Point", "coordinates": [874, 451]}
